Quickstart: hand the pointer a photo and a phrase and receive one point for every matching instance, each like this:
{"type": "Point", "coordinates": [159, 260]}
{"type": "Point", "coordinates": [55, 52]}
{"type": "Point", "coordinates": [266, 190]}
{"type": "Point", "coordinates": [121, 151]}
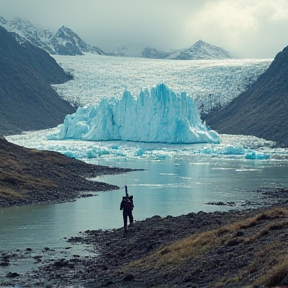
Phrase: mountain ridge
{"type": "Point", "coordinates": [66, 42]}
{"type": "Point", "coordinates": [199, 51]}
{"type": "Point", "coordinates": [27, 100]}
{"type": "Point", "coordinates": [63, 42]}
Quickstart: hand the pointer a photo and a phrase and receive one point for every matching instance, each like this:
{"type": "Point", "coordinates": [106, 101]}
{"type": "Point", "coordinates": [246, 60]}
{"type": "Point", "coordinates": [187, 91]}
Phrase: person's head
{"type": "Point", "coordinates": [131, 197]}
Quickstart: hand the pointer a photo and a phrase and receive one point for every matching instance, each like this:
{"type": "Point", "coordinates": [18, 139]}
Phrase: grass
{"type": "Point", "coordinates": [271, 259]}
{"type": "Point", "coordinates": [29, 174]}
{"type": "Point", "coordinates": [24, 170]}
{"type": "Point", "coordinates": [8, 193]}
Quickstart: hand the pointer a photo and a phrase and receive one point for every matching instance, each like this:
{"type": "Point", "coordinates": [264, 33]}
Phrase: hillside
{"type": "Point", "coordinates": [27, 100]}
{"type": "Point", "coordinates": [29, 176]}
{"type": "Point", "coordinates": [262, 109]}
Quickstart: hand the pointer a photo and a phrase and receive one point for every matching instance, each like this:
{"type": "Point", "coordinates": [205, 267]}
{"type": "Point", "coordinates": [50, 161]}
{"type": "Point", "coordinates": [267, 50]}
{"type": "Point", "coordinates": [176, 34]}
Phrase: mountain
{"type": "Point", "coordinates": [27, 100]}
{"type": "Point", "coordinates": [199, 51]}
{"type": "Point", "coordinates": [64, 42]}
{"type": "Point", "coordinates": [67, 42]}
{"type": "Point", "coordinates": [262, 109]}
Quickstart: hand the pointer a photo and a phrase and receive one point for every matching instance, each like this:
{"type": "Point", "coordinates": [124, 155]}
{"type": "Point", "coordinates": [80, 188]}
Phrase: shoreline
{"type": "Point", "coordinates": [111, 252]}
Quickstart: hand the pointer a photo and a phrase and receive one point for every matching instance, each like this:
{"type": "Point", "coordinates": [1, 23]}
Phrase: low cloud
{"type": "Point", "coordinates": [248, 28]}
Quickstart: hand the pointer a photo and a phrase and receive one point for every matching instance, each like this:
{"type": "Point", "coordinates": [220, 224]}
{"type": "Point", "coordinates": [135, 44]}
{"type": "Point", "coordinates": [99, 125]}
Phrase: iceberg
{"type": "Point", "coordinates": [253, 155]}
{"type": "Point", "coordinates": [157, 115]}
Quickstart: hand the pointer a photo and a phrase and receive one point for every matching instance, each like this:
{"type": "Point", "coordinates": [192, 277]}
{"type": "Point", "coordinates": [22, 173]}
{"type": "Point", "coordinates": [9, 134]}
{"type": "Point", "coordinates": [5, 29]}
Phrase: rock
{"type": "Point", "coordinates": [12, 275]}
{"type": "Point", "coordinates": [129, 277]}
{"type": "Point", "coordinates": [5, 263]}
{"type": "Point", "coordinates": [285, 280]}
{"type": "Point", "coordinates": [37, 257]}
{"type": "Point", "coordinates": [61, 263]}
{"type": "Point", "coordinates": [109, 282]}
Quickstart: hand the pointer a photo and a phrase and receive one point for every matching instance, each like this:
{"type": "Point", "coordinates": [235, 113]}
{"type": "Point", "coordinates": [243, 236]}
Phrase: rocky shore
{"type": "Point", "coordinates": [222, 249]}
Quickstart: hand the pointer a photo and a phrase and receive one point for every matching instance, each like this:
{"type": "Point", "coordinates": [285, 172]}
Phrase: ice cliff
{"type": "Point", "coordinates": [157, 115]}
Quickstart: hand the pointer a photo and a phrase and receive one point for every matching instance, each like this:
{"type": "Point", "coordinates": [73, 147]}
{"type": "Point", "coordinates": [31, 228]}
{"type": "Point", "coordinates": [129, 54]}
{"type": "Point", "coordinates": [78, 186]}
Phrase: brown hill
{"type": "Point", "coordinates": [262, 109]}
{"type": "Point", "coordinates": [27, 100]}
{"type": "Point", "coordinates": [30, 176]}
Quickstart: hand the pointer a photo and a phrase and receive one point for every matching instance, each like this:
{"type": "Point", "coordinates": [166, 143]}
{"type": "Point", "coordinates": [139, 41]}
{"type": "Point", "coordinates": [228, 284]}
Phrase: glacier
{"type": "Point", "coordinates": [210, 82]}
{"type": "Point", "coordinates": [157, 115]}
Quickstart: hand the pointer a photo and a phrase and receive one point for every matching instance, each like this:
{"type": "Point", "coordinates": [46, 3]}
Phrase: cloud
{"type": "Point", "coordinates": [249, 28]}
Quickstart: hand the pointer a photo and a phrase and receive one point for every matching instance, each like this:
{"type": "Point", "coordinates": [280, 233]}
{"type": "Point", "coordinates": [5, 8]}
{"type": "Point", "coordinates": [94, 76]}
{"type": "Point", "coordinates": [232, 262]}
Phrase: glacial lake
{"type": "Point", "coordinates": [168, 187]}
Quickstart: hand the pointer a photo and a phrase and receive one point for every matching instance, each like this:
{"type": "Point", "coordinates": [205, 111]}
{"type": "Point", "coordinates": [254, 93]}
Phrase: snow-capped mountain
{"type": "Point", "coordinates": [199, 51]}
{"type": "Point", "coordinates": [67, 42]}
{"type": "Point", "coordinates": [63, 42]}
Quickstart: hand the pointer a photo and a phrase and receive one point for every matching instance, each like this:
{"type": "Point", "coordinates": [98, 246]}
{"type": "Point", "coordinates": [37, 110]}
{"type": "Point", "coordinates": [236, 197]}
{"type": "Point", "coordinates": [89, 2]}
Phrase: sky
{"type": "Point", "coordinates": [246, 28]}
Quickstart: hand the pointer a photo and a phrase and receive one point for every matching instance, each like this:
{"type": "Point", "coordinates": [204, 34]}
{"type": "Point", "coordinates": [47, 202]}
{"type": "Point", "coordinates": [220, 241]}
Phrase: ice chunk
{"type": "Point", "coordinates": [157, 115]}
{"type": "Point", "coordinates": [253, 155]}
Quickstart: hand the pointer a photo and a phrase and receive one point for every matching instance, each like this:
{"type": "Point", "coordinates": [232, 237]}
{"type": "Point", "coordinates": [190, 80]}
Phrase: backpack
{"type": "Point", "coordinates": [128, 205]}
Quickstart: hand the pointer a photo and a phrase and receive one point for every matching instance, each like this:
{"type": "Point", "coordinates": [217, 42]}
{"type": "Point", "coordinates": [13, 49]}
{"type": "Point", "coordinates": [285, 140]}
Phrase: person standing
{"type": "Point", "coordinates": [127, 206]}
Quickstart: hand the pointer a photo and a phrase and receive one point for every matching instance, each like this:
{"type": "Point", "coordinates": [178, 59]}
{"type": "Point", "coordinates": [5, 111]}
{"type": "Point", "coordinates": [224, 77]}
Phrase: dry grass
{"type": "Point", "coordinates": [273, 260]}
{"type": "Point", "coordinates": [45, 175]}
{"type": "Point", "coordinates": [23, 170]}
{"type": "Point", "coordinates": [8, 193]}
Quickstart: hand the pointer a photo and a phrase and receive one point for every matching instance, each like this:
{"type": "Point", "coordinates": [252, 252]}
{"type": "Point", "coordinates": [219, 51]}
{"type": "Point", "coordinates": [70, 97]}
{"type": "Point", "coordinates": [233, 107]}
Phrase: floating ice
{"type": "Point", "coordinates": [253, 155]}
{"type": "Point", "coordinates": [157, 115]}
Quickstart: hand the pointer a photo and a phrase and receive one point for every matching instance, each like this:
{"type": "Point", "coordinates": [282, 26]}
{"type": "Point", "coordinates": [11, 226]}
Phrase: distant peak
{"type": "Point", "coordinates": [65, 28]}
{"type": "Point", "coordinates": [65, 31]}
{"type": "Point", "coordinates": [200, 42]}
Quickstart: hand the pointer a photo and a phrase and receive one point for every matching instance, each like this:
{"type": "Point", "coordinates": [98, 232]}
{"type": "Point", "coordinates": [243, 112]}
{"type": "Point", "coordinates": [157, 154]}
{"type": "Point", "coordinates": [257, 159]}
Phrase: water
{"type": "Point", "coordinates": [177, 179]}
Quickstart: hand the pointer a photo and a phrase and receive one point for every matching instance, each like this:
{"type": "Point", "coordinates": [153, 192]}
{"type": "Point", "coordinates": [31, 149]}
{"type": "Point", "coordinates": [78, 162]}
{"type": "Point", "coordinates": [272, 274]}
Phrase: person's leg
{"type": "Point", "coordinates": [125, 219]}
{"type": "Point", "coordinates": [131, 220]}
